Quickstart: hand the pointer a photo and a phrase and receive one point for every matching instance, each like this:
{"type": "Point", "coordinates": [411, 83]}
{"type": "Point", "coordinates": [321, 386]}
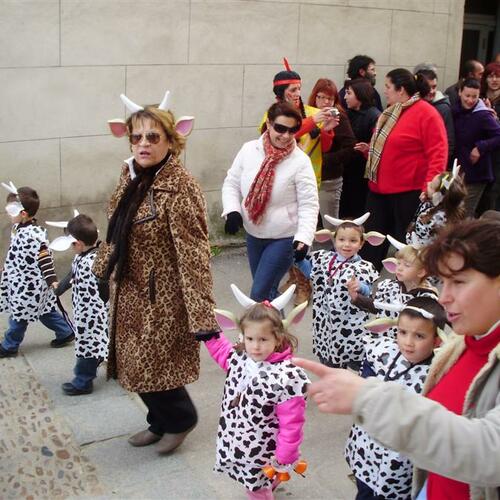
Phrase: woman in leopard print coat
{"type": "Point", "coordinates": [157, 256]}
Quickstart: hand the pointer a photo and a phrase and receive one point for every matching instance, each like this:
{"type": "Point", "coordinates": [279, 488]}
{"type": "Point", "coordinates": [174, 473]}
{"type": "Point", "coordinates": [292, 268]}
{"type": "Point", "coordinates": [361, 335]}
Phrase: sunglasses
{"type": "Point", "coordinates": [282, 129]}
{"type": "Point", "coordinates": [151, 137]}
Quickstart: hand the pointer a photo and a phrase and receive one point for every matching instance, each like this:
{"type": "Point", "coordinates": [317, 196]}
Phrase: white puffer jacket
{"type": "Point", "coordinates": [293, 207]}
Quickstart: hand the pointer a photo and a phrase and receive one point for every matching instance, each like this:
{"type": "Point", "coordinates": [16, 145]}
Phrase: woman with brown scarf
{"type": "Point", "coordinates": [156, 257]}
{"type": "Point", "coordinates": [271, 191]}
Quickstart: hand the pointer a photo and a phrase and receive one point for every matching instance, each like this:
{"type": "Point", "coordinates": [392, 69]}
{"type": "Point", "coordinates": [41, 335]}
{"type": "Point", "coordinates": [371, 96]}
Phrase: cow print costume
{"type": "Point", "coordinates": [24, 293]}
{"type": "Point", "coordinates": [386, 472]}
{"type": "Point", "coordinates": [90, 313]}
{"type": "Point", "coordinates": [337, 323]}
{"type": "Point", "coordinates": [394, 292]}
{"type": "Point", "coordinates": [249, 428]}
{"type": "Point", "coordinates": [422, 233]}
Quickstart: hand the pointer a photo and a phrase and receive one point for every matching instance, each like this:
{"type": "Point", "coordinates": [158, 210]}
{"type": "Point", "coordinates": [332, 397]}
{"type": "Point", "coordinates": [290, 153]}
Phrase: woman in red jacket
{"type": "Point", "coordinates": [409, 147]}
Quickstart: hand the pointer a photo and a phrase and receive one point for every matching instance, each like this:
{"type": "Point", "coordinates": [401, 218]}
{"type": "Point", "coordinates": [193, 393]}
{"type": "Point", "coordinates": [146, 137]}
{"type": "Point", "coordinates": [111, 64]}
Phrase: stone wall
{"type": "Point", "coordinates": [65, 62]}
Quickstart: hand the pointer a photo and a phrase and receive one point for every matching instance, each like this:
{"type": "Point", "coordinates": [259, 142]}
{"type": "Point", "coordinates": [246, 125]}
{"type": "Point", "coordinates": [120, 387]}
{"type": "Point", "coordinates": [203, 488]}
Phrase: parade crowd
{"type": "Point", "coordinates": [385, 220]}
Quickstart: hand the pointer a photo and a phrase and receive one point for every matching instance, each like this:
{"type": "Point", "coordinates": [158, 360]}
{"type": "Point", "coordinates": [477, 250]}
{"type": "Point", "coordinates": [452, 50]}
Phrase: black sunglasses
{"type": "Point", "coordinates": [151, 137]}
{"type": "Point", "coordinates": [282, 129]}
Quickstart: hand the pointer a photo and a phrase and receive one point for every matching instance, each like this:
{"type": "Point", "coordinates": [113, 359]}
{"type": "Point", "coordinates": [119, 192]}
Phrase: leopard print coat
{"type": "Point", "coordinates": [165, 293]}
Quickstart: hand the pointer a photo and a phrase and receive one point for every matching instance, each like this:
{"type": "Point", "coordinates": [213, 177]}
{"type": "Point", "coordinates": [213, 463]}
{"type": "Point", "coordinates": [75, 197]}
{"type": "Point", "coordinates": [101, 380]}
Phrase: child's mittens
{"type": "Point", "coordinates": [300, 251]}
{"type": "Point", "coordinates": [353, 288]}
{"type": "Point", "coordinates": [204, 335]}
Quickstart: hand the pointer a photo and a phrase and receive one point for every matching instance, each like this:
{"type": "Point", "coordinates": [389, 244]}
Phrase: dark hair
{"type": "Point", "coordinates": [28, 198]}
{"type": "Point", "coordinates": [402, 78]}
{"type": "Point", "coordinates": [328, 87]}
{"type": "Point", "coordinates": [284, 108]}
{"type": "Point", "coordinates": [476, 241]}
{"type": "Point", "coordinates": [427, 304]}
{"type": "Point", "coordinates": [358, 63]}
{"type": "Point", "coordinates": [363, 90]}
{"type": "Point", "coordinates": [350, 225]}
{"type": "Point", "coordinates": [492, 68]}
{"type": "Point", "coordinates": [261, 312]}
{"type": "Point", "coordinates": [82, 228]}
{"type": "Point", "coordinates": [470, 83]}
{"type": "Point", "coordinates": [468, 66]}
{"type": "Point", "coordinates": [428, 73]}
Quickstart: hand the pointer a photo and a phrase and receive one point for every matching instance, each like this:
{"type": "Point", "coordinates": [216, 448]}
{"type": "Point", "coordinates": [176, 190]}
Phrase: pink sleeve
{"type": "Point", "coordinates": [220, 349]}
{"type": "Point", "coordinates": [435, 145]}
{"type": "Point", "coordinates": [291, 421]}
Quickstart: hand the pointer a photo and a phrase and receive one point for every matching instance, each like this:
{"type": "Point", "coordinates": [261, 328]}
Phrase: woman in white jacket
{"type": "Point", "coordinates": [271, 191]}
{"type": "Point", "coordinates": [452, 435]}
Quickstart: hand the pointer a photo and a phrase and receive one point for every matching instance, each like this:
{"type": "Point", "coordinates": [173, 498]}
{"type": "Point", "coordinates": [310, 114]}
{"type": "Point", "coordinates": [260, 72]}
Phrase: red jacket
{"type": "Point", "coordinates": [415, 151]}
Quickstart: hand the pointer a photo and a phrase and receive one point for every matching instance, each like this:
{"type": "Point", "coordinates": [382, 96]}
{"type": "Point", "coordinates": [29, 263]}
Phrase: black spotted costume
{"type": "Point", "coordinates": [338, 323]}
{"type": "Point", "coordinates": [262, 413]}
{"type": "Point", "coordinates": [24, 293]}
{"type": "Point", "coordinates": [90, 313]}
{"type": "Point", "coordinates": [386, 472]}
{"type": "Point", "coordinates": [422, 233]}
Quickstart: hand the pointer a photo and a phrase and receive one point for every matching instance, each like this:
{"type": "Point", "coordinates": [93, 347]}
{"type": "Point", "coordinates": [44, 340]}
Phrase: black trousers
{"type": "Point", "coordinates": [390, 214]}
{"type": "Point", "coordinates": [365, 492]}
{"type": "Point", "coordinates": [170, 411]}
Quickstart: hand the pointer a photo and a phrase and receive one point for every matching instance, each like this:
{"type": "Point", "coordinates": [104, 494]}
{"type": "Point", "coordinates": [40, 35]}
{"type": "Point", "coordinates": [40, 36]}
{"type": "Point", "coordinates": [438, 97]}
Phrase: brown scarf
{"type": "Point", "coordinates": [262, 185]}
{"type": "Point", "coordinates": [386, 121]}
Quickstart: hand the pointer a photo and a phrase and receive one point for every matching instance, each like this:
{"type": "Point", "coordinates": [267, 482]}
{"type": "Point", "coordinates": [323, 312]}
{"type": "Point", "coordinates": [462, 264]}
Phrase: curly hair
{"type": "Point", "coordinates": [260, 313]}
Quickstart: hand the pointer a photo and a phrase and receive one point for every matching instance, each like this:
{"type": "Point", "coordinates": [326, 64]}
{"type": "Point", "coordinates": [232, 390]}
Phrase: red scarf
{"type": "Point", "coordinates": [262, 185]}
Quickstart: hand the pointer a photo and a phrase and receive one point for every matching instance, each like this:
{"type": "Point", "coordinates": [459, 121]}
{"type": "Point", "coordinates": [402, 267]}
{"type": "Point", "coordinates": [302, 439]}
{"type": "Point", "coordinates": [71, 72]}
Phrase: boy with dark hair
{"type": "Point", "coordinates": [90, 312]}
{"type": "Point", "coordinates": [379, 471]}
{"type": "Point", "coordinates": [28, 275]}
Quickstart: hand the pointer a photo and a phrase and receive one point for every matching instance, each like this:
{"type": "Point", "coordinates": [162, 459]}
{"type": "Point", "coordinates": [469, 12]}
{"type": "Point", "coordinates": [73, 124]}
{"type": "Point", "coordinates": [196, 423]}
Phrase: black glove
{"type": "Point", "coordinates": [103, 289]}
{"type": "Point", "coordinates": [204, 335]}
{"type": "Point", "coordinates": [299, 255]}
{"type": "Point", "coordinates": [234, 223]}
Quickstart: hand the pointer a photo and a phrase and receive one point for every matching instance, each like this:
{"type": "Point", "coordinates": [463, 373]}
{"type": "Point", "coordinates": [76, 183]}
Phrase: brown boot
{"type": "Point", "coordinates": [144, 438]}
{"type": "Point", "coordinates": [169, 442]}
{"type": "Point", "coordinates": [290, 281]}
{"type": "Point", "coordinates": [304, 288]}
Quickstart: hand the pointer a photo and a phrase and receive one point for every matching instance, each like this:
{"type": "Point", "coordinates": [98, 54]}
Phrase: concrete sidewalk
{"type": "Point", "coordinates": [77, 446]}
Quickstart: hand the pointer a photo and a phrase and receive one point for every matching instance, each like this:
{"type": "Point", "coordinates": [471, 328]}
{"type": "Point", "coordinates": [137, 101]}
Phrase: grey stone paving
{"type": "Point", "coordinates": [93, 428]}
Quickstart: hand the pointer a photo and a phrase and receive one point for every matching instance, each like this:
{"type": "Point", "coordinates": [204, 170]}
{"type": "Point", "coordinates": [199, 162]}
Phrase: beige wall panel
{"type": "Point", "coordinates": [310, 75]}
{"type": "Point", "coordinates": [454, 44]}
{"type": "Point", "coordinates": [90, 167]}
{"type": "Point", "coordinates": [444, 6]}
{"type": "Point", "coordinates": [243, 32]}
{"type": "Point", "coordinates": [34, 164]}
{"type": "Point", "coordinates": [124, 31]}
{"type": "Point", "coordinates": [212, 94]}
{"type": "Point", "coordinates": [414, 5]}
{"type": "Point", "coordinates": [258, 95]}
{"type": "Point", "coordinates": [418, 37]}
{"type": "Point", "coordinates": [332, 35]}
{"type": "Point", "coordinates": [210, 153]}
{"type": "Point", "coordinates": [58, 102]}
{"type": "Point", "coordinates": [29, 32]}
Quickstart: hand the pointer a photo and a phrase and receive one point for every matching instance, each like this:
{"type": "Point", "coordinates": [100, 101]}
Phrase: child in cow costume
{"type": "Point", "coordinates": [410, 281]}
{"type": "Point", "coordinates": [260, 427]}
{"type": "Point", "coordinates": [89, 297]}
{"type": "Point", "coordinates": [379, 471]}
{"type": "Point", "coordinates": [28, 276]}
{"type": "Point", "coordinates": [338, 323]}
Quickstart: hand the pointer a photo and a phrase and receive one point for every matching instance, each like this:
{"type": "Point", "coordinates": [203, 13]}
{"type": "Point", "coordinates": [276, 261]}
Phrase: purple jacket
{"type": "Point", "coordinates": [476, 127]}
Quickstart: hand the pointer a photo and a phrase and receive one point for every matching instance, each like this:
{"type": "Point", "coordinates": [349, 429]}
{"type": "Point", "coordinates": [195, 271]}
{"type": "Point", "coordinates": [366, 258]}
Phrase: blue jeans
{"type": "Point", "coordinates": [85, 371]}
{"type": "Point", "coordinates": [15, 333]}
{"type": "Point", "coordinates": [269, 261]}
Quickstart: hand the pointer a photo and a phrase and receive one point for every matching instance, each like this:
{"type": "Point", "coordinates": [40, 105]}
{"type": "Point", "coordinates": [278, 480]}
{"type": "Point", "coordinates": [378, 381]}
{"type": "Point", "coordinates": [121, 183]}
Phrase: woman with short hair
{"type": "Point", "coordinates": [271, 191]}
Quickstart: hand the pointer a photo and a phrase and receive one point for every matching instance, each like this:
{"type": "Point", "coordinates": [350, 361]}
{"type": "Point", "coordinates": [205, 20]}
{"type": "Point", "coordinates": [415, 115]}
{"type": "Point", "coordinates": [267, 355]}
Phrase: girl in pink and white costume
{"type": "Point", "coordinates": [263, 406]}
